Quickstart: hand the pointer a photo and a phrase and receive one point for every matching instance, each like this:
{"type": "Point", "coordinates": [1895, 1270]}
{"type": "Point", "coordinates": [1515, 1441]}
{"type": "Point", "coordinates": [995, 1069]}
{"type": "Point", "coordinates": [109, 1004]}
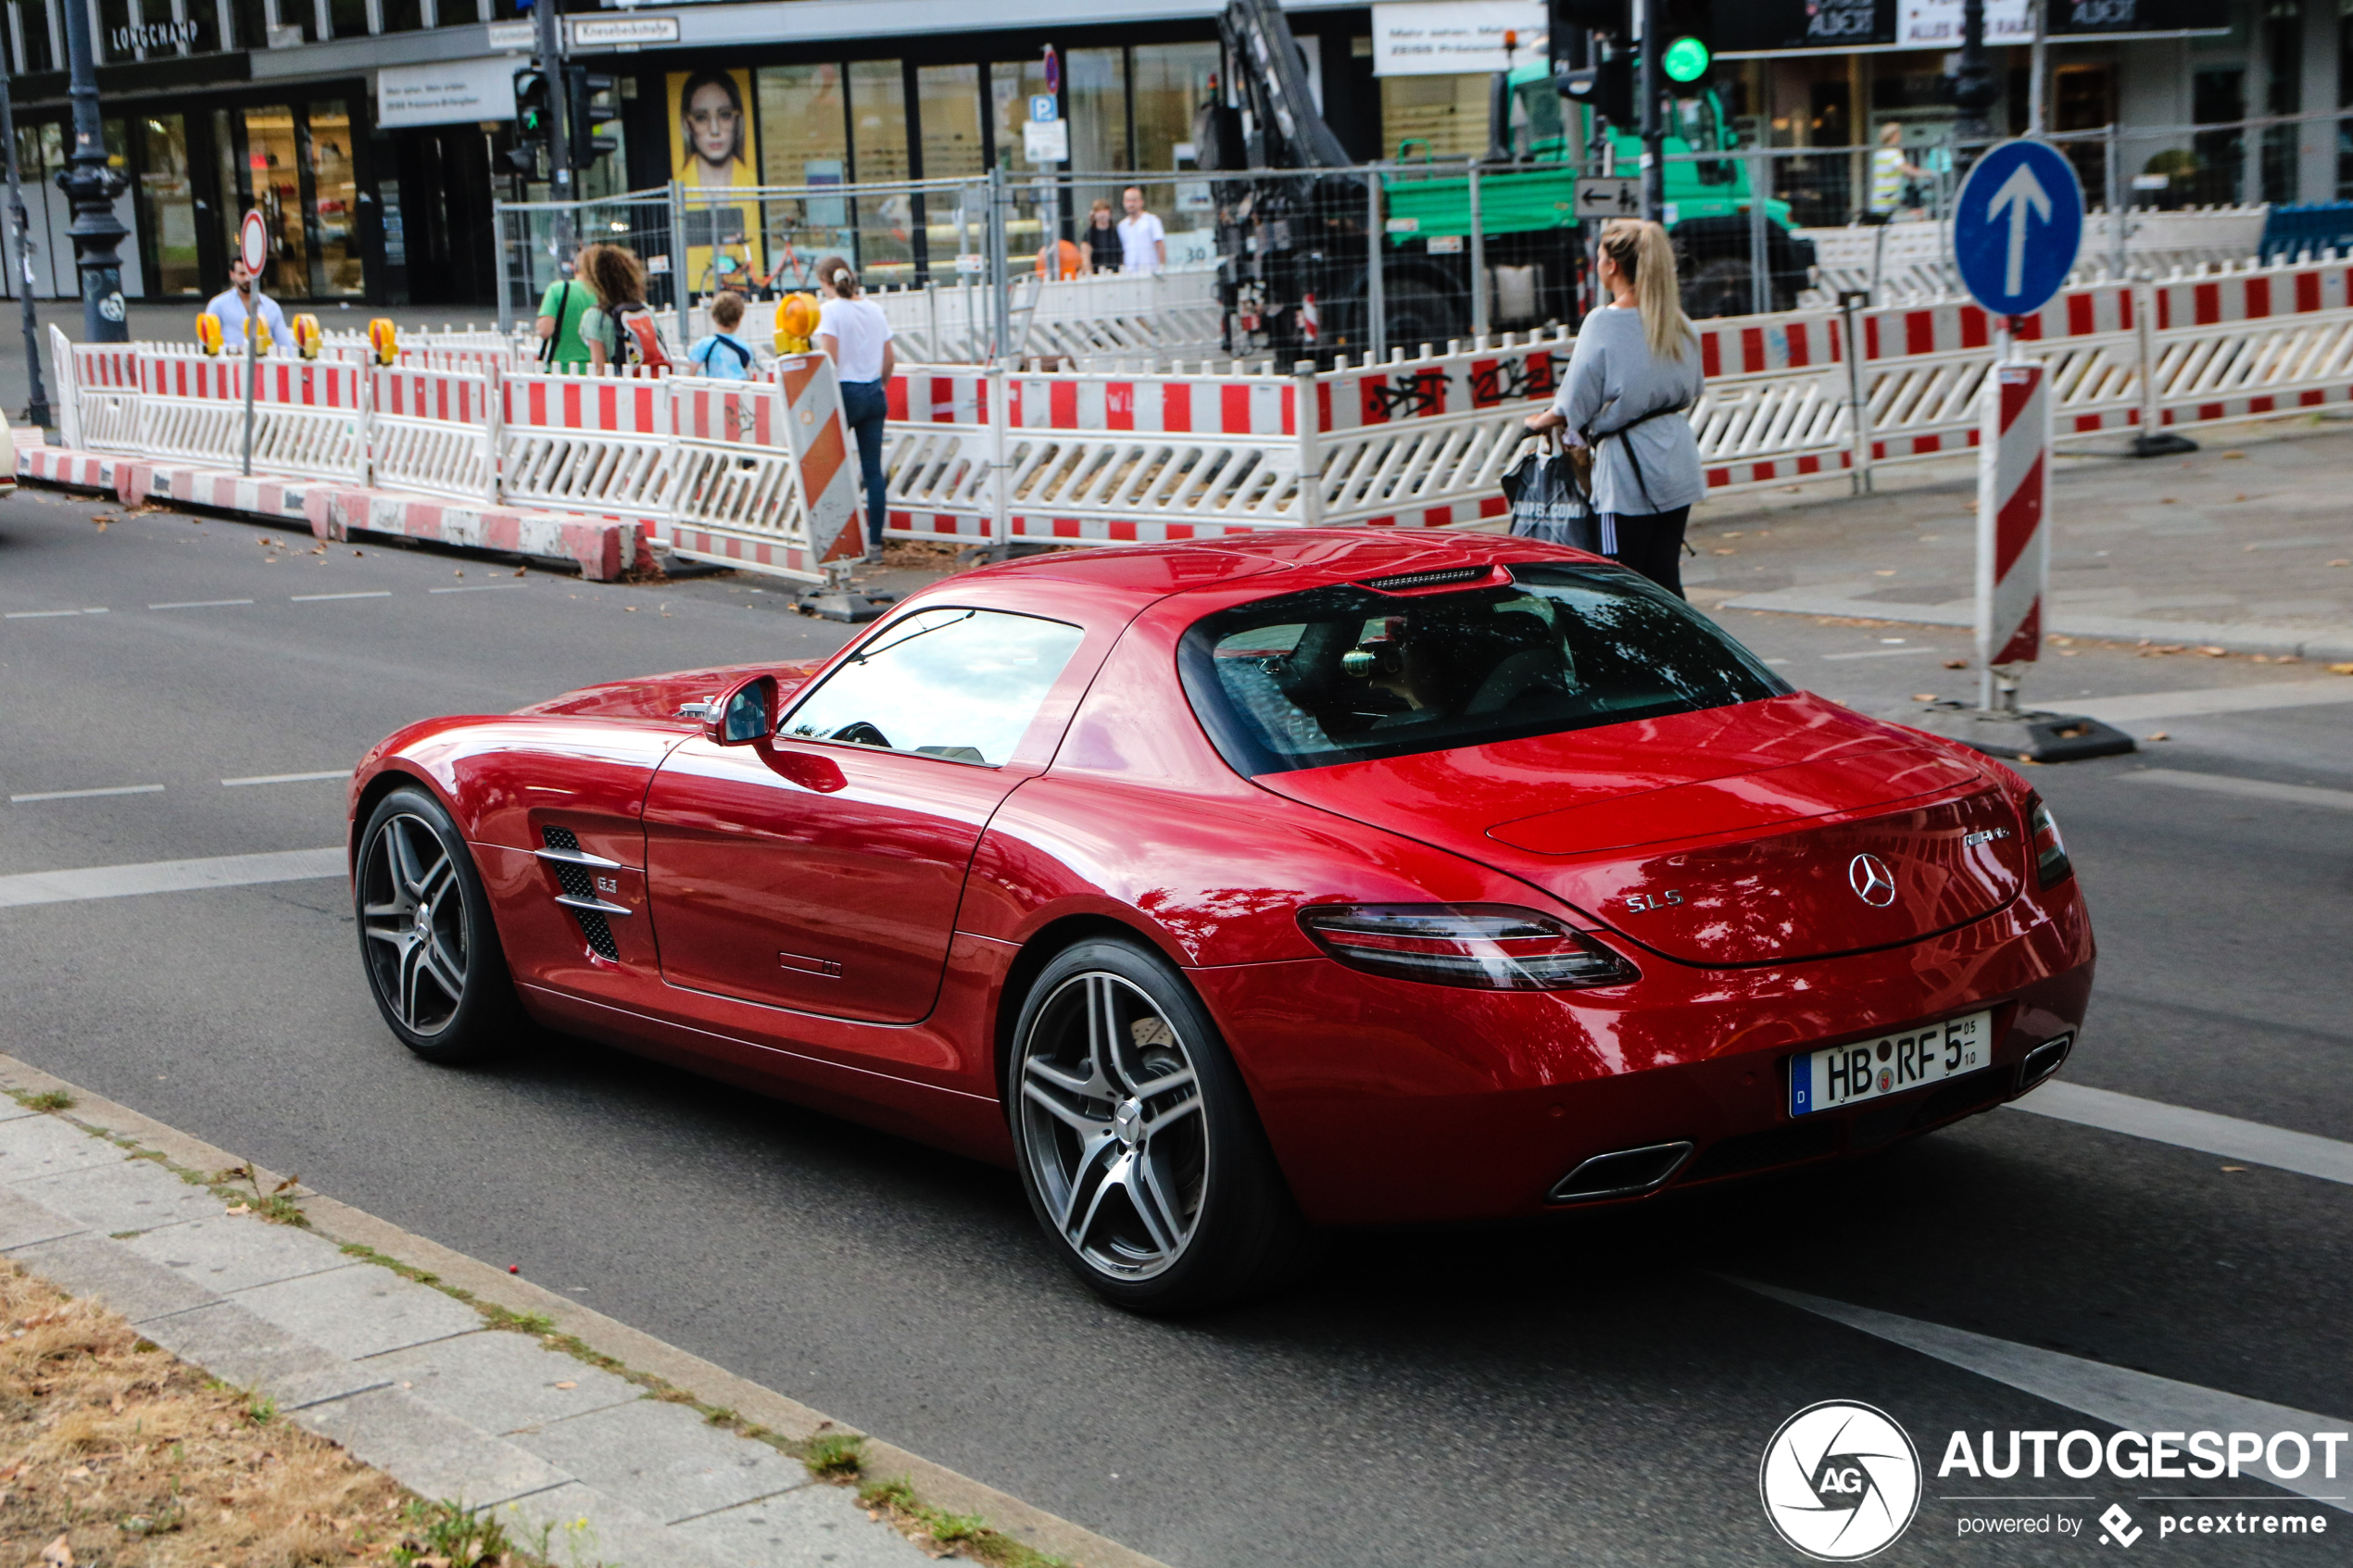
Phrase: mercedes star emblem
{"type": "Point", "coordinates": [1872, 882]}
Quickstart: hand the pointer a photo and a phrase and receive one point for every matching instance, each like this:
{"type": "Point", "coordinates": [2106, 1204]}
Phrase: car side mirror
{"type": "Point", "coordinates": [744, 715]}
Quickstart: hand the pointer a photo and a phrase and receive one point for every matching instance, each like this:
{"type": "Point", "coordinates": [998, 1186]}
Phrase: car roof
{"type": "Point", "coordinates": [1306, 558]}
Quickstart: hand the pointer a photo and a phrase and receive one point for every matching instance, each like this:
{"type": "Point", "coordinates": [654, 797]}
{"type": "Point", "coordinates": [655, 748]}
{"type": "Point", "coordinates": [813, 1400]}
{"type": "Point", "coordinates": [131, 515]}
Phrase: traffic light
{"type": "Point", "coordinates": [533, 122]}
{"type": "Point", "coordinates": [1607, 86]}
{"type": "Point", "coordinates": [1689, 31]}
{"type": "Point", "coordinates": [592, 105]}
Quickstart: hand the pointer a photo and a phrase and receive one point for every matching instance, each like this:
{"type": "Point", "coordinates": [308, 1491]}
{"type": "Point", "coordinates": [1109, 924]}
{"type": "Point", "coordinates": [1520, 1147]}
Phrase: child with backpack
{"type": "Point", "coordinates": [722, 355]}
{"type": "Point", "coordinates": [621, 327]}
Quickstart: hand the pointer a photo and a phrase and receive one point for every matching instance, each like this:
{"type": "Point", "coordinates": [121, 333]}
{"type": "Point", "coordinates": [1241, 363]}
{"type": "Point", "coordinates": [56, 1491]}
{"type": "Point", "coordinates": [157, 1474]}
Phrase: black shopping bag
{"type": "Point", "coordinates": [1548, 502]}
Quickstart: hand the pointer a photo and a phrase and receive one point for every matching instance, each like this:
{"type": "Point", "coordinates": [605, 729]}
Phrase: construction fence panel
{"type": "Point", "coordinates": [435, 431]}
{"type": "Point", "coordinates": [309, 417]}
{"type": "Point", "coordinates": [599, 444]}
{"type": "Point", "coordinates": [735, 496]}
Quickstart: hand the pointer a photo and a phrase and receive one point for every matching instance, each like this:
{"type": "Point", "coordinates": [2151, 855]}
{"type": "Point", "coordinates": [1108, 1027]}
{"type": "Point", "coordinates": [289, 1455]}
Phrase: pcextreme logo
{"type": "Point", "coordinates": [1840, 1481]}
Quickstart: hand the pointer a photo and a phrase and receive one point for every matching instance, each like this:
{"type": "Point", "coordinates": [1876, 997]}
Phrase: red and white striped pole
{"type": "Point", "coordinates": [2013, 534]}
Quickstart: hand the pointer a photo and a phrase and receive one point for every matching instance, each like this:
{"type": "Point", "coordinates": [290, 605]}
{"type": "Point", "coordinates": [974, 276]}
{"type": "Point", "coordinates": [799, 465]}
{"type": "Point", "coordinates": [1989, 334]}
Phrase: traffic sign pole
{"type": "Point", "coordinates": [2016, 225]}
{"type": "Point", "coordinates": [253, 249]}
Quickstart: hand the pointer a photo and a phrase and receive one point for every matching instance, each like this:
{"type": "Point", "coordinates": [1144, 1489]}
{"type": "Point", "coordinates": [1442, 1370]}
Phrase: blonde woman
{"type": "Point", "coordinates": [1635, 371]}
{"type": "Point", "coordinates": [856, 334]}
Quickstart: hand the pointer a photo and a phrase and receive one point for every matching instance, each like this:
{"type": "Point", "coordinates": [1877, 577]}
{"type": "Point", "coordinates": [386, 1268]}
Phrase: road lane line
{"type": "Point", "coordinates": [1880, 653]}
{"type": "Point", "coordinates": [2212, 699]}
{"type": "Point", "coordinates": [2204, 1130]}
{"type": "Point", "coordinates": [286, 778]}
{"type": "Point", "coordinates": [478, 588]}
{"type": "Point", "coordinates": [171, 876]}
{"type": "Point", "coordinates": [201, 604]}
{"type": "Point", "coordinates": [87, 794]}
{"type": "Point", "coordinates": [314, 598]}
{"type": "Point", "coordinates": [36, 614]}
{"type": "Point", "coordinates": [2137, 1401]}
{"type": "Point", "coordinates": [2251, 789]}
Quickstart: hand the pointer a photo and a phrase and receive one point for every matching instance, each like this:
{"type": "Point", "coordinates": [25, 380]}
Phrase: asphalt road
{"type": "Point", "coordinates": [1597, 1392]}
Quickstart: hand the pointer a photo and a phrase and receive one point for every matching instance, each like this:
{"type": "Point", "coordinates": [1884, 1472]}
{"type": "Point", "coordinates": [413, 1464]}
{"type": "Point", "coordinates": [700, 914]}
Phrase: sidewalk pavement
{"type": "Point", "coordinates": [2246, 545]}
{"type": "Point", "coordinates": [423, 1385]}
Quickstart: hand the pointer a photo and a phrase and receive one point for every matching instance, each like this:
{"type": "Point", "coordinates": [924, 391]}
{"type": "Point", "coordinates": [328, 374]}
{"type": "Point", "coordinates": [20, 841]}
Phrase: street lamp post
{"type": "Point", "coordinates": [91, 185]}
{"type": "Point", "coordinates": [37, 411]}
{"type": "Point", "coordinates": [1651, 82]}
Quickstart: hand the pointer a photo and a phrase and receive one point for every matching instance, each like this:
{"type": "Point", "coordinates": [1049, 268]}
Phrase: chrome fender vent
{"type": "Point", "coordinates": [577, 870]}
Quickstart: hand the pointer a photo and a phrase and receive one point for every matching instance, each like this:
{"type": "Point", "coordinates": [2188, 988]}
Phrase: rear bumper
{"type": "Point", "coordinates": [1390, 1102]}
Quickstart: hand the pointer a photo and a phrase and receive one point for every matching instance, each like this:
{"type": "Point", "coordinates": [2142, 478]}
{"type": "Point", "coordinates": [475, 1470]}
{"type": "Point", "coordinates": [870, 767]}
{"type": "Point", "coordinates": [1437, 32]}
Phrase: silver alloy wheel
{"type": "Point", "coordinates": [414, 914]}
{"type": "Point", "coordinates": [1112, 1125]}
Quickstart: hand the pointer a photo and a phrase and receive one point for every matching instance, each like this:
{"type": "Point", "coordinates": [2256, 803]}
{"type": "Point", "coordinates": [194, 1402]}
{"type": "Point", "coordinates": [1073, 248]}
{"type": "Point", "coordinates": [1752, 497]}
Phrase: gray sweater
{"type": "Point", "coordinates": [1614, 377]}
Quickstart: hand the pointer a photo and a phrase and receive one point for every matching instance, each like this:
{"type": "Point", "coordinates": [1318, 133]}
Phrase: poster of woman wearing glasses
{"type": "Point", "coordinates": [712, 148]}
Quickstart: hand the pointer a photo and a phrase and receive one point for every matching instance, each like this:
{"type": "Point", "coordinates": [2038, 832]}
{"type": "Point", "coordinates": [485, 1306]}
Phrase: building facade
{"type": "Point", "coordinates": [370, 131]}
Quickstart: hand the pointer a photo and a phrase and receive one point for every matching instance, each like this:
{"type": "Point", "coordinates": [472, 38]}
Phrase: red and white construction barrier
{"type": "Point", "coordinates": [2013, 486]}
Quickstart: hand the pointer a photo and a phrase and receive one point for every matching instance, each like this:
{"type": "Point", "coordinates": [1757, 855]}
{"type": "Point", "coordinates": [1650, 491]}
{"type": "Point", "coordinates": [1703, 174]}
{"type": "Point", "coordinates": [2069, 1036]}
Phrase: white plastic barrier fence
{"type": "Point", "coordinates": [1002, 455]}
{"type": "Point", "coordinates": [1150, 318]}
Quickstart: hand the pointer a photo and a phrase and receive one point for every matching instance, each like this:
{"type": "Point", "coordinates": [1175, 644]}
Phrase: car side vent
{"type": "Point", "coordinates": [580, 883]}
{"type": "Point", "coordinates": [1447, 577]}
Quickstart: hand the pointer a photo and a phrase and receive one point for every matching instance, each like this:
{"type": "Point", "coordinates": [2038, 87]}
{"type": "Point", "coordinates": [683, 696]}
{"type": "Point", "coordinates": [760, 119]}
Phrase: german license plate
{"type": "Point", "coordinates": [1849, 1074]}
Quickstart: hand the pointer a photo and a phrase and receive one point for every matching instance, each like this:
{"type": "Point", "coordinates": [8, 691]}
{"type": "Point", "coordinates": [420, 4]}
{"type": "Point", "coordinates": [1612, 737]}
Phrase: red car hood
{"type": "Point", "coordinates": [658, 696]}
{"type": "Point", "coordinates": [1736, 836]}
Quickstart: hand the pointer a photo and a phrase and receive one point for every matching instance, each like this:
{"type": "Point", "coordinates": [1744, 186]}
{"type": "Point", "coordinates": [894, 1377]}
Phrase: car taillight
{"type": "Point", "coordinates": [1487, 946]}
{"type": "Point", "coordinates": [2051, 864]}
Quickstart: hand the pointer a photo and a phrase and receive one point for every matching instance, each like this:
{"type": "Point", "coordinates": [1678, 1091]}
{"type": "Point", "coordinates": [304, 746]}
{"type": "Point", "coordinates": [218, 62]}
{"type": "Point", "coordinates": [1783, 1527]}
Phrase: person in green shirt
{"type": "Point", "coordinates": [561, 309]}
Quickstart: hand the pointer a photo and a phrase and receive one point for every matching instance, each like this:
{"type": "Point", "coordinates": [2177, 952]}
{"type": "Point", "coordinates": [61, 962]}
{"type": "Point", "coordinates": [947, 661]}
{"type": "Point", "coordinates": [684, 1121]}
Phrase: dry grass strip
{"type": "Point", "coordinates": [114, 1452]}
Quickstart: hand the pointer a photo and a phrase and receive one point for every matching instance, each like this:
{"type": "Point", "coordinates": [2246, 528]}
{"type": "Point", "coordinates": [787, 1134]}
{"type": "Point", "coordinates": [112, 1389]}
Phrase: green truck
{"type": "Point", "coordinates": [1293, 244]}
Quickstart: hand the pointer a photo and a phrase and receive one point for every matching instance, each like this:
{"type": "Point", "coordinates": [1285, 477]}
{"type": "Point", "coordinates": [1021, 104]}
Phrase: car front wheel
{"type": "Point", "coordinates": [1137, 1145]}
{"type": "Point", "coordinates": [426, 939]}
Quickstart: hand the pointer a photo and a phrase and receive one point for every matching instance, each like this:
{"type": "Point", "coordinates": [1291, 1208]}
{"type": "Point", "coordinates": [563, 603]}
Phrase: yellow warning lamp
{"type": "Point", "coordinates": [384, 339]}
{"type": "Point", "coordinates": [796, 323]}
{"type": "Point", "coordinates": [258, 329]}
{"type": "Point", "coordinates": [308, 338]}
{"type": "Point", "coordinates": [208, 332]}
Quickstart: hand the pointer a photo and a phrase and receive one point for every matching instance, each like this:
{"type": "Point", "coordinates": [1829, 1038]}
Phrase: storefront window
{"type": "Point", "coordinates": [112, 16]}
{"type": "Point", "coordinates": [1172, 81]}
{"type": "Point", "coordinates": [803, 135]}
{"type": "Point", "coordinates": [273, 186]}
{"type": "Point", "coordinates": [1012, 83]}
{"type": "Point", "coordinates": [404, 16]}
{"type": "Point", "coordinates": [335, 269]}
{"type": "Point", "coordinates": [1095, 95]}
{"type": "Point", "coordinates": [167, 205]}
{"type": "Point", "coordinates": [29, 37]}
{"type": "Point", "coordinates": [1439, 117]}
{"type": "Point", "coordinates": [878, 153]}
{"type": "Point", "coordinates": [949, 103]}
{"type": "Point", "coordinates": [349, 18]}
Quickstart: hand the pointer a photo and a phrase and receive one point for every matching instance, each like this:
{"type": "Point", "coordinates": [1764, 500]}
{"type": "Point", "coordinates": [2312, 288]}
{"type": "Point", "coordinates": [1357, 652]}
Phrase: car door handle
{"type": "Point", "coordinates": [822, 774]}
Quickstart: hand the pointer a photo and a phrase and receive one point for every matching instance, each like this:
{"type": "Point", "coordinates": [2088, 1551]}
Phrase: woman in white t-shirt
{"type": "Point", "coordinates": [857, 334]}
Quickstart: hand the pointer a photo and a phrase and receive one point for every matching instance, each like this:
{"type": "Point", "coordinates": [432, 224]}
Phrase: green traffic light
{"type": "Point", "coordinates": [1686, 59]}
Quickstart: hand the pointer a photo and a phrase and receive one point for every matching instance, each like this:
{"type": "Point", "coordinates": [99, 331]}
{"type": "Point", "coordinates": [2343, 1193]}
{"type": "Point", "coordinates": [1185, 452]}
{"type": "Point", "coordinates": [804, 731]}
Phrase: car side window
{"type": "Point", "coordinates": [961, 685]}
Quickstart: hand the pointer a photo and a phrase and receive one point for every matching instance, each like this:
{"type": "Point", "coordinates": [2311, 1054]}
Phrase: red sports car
{"type": "Point", "coordinates": [1232, 890]}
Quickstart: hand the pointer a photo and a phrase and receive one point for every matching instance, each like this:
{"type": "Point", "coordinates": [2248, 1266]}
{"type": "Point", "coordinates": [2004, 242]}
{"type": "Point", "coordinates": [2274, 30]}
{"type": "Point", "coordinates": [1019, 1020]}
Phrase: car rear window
{"type": "Point", "coordinates": [1344, 674]}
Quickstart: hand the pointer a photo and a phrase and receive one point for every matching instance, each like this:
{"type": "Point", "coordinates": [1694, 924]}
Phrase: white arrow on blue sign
{"type": "Point", "coordinates": [2018, 226]}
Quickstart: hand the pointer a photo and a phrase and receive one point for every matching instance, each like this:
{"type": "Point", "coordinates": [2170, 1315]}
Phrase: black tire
{"type": "Point", "coordinates": [1419, 314]}
{"type": "Point", "coordinates": [1216, 1222]}
{"type": "Point", "coordinates": [1718, 287]}
{"type": "Point", "coordinates": [427, 943]}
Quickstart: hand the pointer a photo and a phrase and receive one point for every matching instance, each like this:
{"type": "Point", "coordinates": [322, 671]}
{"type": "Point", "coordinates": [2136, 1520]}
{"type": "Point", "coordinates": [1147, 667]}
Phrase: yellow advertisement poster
{"type": "Point", "coordinates": [714, 151]}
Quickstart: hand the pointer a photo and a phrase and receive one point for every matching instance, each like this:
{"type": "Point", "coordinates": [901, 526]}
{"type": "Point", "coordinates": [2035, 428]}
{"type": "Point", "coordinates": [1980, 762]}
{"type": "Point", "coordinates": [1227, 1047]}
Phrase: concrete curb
{"type": "Point", "coordinates": [2242, 637]}
{"type": "Point", "coordinates": [413, 1437]}
{"type": "Point", "coordinates": [604, 548]}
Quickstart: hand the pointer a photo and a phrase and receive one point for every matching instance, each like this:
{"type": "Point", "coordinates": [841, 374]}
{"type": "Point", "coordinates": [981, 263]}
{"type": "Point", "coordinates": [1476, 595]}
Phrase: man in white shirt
{"type": "Point", "coordinates": [1143, 243]}
{"type": "Point", "coordinates": [230, 305]}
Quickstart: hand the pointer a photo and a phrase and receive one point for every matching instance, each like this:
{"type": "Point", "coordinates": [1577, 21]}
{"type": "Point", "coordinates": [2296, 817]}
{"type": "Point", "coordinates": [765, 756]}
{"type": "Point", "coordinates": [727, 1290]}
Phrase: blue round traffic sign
{"type": "Point", "coordinates": [2017, 227]}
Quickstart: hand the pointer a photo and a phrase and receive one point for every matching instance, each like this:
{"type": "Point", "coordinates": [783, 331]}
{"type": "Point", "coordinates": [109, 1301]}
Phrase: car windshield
{"type": "Point", "coordinates": [1347, 675]}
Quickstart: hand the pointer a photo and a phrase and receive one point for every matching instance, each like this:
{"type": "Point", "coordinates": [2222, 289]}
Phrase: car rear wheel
{"type": "Point", "coordinates": [1137, 1145]}
{"type": "Point", "coordinates": [426, 939]}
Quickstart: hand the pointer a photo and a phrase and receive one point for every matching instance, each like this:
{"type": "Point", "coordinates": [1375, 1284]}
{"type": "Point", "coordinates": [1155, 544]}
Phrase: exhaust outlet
{"type": "Point", "coordinates": [1629, 1173]}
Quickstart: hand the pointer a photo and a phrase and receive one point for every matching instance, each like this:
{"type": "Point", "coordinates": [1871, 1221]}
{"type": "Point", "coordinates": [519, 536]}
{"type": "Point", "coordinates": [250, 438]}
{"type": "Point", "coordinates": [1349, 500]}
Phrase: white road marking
{"type": "Point", "coordinates": [1877, 653]}
{"type": "Point", "coordinates": [201, 604]}
{"type": "Point", "coordinates": [171, 876]}
{"type": "Point", "coordinates": [478, 588]}
{"type": "Point", "coordinates": [2204, 1130]}
{"type": "Point", "coordinates": [2137, 1401]}
{"type": "Point", "coordinates": [314, 598]}
{"type": "Point", "coordinates": [88, 794]}
{"type": "Point", "coordinates": [36, 614]}
{"type": "Point", "coordinates": [2213, 699]}
{"type": "Point", "coordinates": [2251, 789]}
{"type": "Point", "coordinates": [286, 778]}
